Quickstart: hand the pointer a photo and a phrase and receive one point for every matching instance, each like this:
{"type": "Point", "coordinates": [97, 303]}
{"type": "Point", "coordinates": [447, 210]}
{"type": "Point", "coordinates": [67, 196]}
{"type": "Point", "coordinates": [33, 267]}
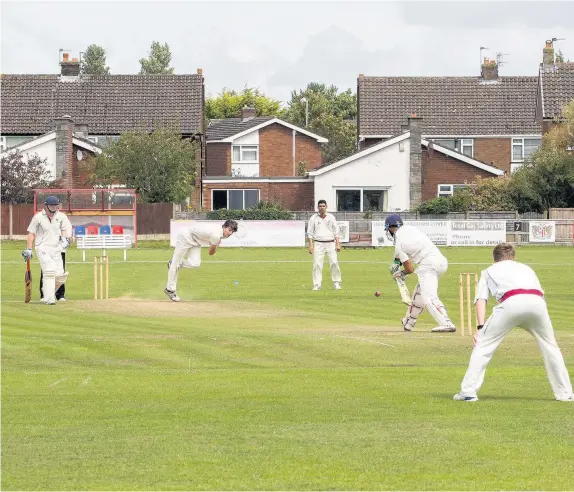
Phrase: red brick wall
{"type": "Point", "coordinates": [497, 151]}
{"type": "Point", "coordinates": [438, 169]}
{"type": "Point", "coordinates": [292, 196]}
{"type": "Point", "coordinates": [80, 170]}
{"type": "Point", "coordinates": [276, 151]}
{"type": "Point", "coordinates": [218, 159]}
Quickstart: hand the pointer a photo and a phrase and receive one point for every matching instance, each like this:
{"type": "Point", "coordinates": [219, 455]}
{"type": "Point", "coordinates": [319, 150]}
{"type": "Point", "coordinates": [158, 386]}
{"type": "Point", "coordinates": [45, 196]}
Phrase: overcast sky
{"type": "Point", "coordinates": [281, 46]}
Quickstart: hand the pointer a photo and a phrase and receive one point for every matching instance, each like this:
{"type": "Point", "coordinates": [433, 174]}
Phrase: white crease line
{"type": "Point", "coordinates": [365, 340]}
{"type": "Point", "coordinates": [57, 382]}
{"type": "Point", "coordinates": [86, 381]}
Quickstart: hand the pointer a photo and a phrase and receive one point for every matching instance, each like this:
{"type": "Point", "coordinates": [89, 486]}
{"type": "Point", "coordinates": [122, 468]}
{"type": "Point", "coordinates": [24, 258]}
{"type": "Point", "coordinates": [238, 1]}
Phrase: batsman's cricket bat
{"type": "Point", "coordinates": [28, 283]}
{"type": "Point", "coordinates": [404, 291]}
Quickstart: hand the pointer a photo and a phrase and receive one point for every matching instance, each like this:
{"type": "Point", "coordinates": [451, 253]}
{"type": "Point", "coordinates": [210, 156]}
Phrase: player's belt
{"type": "Point", "coordinates": [328, 241]}
{"type": "Point", "coordinates": [515, 292]}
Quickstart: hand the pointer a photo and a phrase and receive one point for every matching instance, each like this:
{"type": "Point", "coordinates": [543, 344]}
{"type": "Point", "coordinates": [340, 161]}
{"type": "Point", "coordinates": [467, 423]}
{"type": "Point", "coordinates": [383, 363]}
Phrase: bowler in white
{"type": "Point", "coordinates": [324, 239]}
{"type": "Point", "coordinates": [521, 303]}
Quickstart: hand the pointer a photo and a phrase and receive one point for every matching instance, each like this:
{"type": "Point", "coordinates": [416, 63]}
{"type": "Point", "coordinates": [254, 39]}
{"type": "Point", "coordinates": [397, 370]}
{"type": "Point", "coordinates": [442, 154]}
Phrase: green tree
{"type": "Point", "coordinates": [331, 114]}
{"type": "Point", "coordinates": [19, 176]}
{"type": "Point", "coordinates": [159, 165]}
{"type": "Point", "coordinates": [158, 60]}
{"type": "Point", "coordinates": [229, 103]}
{"type": "Point", "coordinates": [94, 61]}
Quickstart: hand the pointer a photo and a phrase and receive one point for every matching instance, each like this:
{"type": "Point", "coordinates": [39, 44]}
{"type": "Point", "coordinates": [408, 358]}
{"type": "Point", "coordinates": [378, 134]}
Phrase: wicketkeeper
{"type": "Point", "coordinates": [414, 247]}
{"type": "Point", "coordinates": [50, 231]}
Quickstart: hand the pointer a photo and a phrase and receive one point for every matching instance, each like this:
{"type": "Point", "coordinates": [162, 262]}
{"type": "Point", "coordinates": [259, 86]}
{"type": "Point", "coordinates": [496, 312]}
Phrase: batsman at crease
{"type": "Point", "coordinates": [414, 247]}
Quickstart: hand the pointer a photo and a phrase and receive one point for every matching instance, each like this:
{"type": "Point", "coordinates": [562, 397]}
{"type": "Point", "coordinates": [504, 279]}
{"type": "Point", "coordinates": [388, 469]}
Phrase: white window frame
{"type": "Point", "coordinates": [2, 144]}
{"type": "Point", "coordinates": [241, 149]}
{"type": "Point", "coordinates": [451, 190]}
{"type": "Point", "coordinates": [467, 142]}
{"type": "Point", "coordinates": [519, 142]}
{"type": "Point", "coordinates": [92, 139]}
{"type": "Point", "coordinates": [362, 189]}
{"type": "Point", "coordinates": [235, 189]}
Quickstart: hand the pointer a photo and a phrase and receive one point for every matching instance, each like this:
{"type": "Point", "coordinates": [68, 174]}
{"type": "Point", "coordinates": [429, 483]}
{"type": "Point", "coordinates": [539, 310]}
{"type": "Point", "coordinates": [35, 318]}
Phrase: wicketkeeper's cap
{"type": "Point", "coordinates": [52, 200]}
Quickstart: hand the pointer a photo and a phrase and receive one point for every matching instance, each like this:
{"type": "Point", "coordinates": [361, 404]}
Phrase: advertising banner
{"type": "Point", "coordinates": [344, 230]}
{"type": "Point", "coordinates": [476, 233]}
{"type": "Point", "coordinates": [543, 231]}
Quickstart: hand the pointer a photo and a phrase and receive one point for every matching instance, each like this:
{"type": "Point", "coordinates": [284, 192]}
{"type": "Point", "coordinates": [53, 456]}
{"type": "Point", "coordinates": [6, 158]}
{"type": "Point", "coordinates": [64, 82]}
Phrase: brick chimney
{"type": "Point", "coordinates": [247, 114]}
{"type": "Point", "coordinates": [489, 70]}
{"type": "Point", "coordinates": [64, 148]}
{"type": "Point", "coordinates": [415, 167]}
{"type": "Point", "coordinates": [69, 67]}
{"type": "Point", "coordinates": [548, 54]}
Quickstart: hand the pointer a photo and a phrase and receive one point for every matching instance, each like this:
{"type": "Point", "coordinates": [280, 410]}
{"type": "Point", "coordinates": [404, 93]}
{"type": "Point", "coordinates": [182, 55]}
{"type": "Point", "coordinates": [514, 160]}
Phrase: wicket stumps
{"type": "Point", "coordinates": [99, 262]}
{"type": "Point", "coordinates": [469, 300]}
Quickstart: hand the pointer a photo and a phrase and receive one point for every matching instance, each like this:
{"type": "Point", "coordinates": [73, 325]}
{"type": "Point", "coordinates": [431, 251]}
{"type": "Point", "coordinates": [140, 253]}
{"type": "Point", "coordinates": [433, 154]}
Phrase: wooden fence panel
{"type": "Point", "coordinates": [153, 218]}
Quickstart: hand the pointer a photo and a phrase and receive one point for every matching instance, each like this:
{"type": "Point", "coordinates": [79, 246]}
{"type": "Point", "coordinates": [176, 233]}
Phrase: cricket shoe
{"type": "Point", "coordinates": [406, 326]}
{"type": "Point", "coordinates": [316, 287]}
{"type": "Point", "coordinates": [61, 299]}
{"type": "Point", "coordinates": [444, 329]}
{"type": "Point", "coordinates": [49, 302]}
{"type": "Point", "coordinates": [566, 399]}
{"type": "Point", "coordinates": [172, 295]}
{"type": "Point", "coordinates": [461, 397]}
{"type": "Point", "coordinates": [337, 285]}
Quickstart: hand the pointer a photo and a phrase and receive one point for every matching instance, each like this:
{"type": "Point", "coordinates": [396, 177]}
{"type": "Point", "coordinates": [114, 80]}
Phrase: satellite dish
{"type": "Point", "coordinates": [79, 155]}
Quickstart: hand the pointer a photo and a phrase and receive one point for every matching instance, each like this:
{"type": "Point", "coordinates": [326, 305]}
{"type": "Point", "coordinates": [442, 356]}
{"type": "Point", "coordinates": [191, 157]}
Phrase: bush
{"type": "Point", "coordinates": [436, 206]}
{"type": "Point", "coordinates": [260, 211]}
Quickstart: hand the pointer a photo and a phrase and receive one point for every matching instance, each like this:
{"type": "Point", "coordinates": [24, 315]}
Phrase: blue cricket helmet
{"type": "Point", "coordinates": [393, 220]}
{"type": "Point", "coordinates": [52, 200]}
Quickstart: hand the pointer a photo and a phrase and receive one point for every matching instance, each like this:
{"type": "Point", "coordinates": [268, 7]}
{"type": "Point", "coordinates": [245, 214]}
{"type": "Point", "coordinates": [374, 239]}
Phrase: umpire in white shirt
{"type": "Point", "coordinates": [521, 303]}
{"type": "Point", "coordinates": [324, 238]}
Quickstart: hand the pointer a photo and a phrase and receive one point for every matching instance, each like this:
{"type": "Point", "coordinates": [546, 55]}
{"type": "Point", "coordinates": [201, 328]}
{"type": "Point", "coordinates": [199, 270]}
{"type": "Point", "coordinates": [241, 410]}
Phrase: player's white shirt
{"type": "Point", "coordinates": [323, 229]}
{"type": "Point", "coordinates": [504, 276]}
{"type": "Point", "coordinates": [410, 243]}
{"type": "Point", "coordinates": [203, 234]}
{"type": "Point", "coordinates": [48, 232]}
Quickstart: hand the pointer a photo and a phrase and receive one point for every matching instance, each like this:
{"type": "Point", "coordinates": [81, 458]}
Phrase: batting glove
{"type": "Point", "coordinates": [65, 242]}
{"type": "Point", "coordinates": [27, 254]}
{"type": "Point", "coordinates": [400, 274]}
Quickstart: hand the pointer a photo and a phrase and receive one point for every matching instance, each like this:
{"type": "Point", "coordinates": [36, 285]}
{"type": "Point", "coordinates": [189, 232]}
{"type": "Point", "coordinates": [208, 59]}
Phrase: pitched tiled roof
{"type": "Point", "coordinates": [557, 84]}
{"type": "Point", "coordinates": [448, 105]}
{"type": "Point", "coordinates": [220, 129]}
{"type": "Point", "coordinates": [108, 104]}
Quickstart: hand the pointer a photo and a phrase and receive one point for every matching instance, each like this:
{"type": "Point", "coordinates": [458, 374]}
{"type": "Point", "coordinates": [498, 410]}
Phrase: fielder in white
{"type": "Point", "coordinates": [324, 239]}
{"type": "Point", "coordinates": [189, 243]}
{"type": "Point", "coordinates": [517, 288]}
{"type": "Point", "coordinates": [414, 247]}
{"type": "Point", "coordinates": [50, 232]}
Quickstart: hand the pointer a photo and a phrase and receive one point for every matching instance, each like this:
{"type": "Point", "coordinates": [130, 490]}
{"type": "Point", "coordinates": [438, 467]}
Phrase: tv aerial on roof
{"type": "Point", "coordinates": [500, 58]}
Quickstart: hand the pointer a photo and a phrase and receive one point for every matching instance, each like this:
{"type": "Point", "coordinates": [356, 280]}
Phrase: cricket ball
{"type": "Point", "coordinates": [377, 294]}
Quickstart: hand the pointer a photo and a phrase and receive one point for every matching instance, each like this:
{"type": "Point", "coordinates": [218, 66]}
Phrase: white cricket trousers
{"type": "Point", "coordinates": [425, 294]}
{"type": "Point", "coordinates": [178, 260]}
{"type": "Point", "coordinates": [319, 252]}
{"type": "Point", "coordinates": [527, 311]}
{"type": "Point", "coordinates": [52, 270]}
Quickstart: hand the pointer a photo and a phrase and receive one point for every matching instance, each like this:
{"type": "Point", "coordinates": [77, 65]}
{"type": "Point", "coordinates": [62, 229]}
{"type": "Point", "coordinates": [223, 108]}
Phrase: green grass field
{"type": "Point", "coordinates": [256, 383]}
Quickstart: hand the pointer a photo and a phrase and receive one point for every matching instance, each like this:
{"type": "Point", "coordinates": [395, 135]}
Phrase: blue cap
{"type": "Point", "coordinates": [52, 200]}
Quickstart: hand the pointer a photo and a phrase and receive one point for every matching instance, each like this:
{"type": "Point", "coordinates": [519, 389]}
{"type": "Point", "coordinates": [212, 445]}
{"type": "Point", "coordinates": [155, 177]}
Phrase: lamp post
{"type": "Point", "coordinates": [304, 100]}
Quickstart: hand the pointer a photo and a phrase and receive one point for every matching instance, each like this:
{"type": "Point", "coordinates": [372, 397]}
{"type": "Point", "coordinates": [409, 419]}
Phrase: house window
{"type": "Point", "coordinates": [361, 200]}
{"type": "Point", "coordinates": [2, 144]}
{"type": "Point", "coordinates": [445, 190]}
{"type": "Point", "coordinates": [463, 145]}
{"type": "Point", "coordinates": [245, 153]}
{"type": "Point", "coordinates": [93, 139]}
{"type": "Point", "coordinates": [522, 148]}
{"type": "Point", "coordinates": [234, 199]}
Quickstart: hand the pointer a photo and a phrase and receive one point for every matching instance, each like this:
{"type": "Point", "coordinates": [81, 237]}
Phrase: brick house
{"type": "Point", "coordinates": [397, 173]}
{"type": "Point", "coordinates": [490, 118]}
{"type": "Point", "coordinates": [66, 148]}
{"type": "Point", "coordinates": [104, 106]}
{"type": "Point", "coordinates": [555, 88]}
{"type": "Point", "coordinates": [252, 158]}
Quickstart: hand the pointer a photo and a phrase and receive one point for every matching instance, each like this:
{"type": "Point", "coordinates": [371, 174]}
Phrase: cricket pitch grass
{"type": "Point", "coordinates": [254, 382]}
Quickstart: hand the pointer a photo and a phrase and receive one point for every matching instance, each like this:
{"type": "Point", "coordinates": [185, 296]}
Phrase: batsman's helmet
{"type": "Point", "coordinates": [52, 200]}
{"type": "Point", "coordinates": [393, 220]}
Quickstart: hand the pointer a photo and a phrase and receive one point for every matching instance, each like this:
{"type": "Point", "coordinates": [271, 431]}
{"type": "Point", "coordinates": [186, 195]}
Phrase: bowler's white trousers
{"type": "Point", "coordinates": [53, 271]}
{"type": "Point", "coordinates": [527, 311]}
{"type": "Point", "coordinates": [193, 260]}
{"type": "Point", "coordinates": [319, 252]}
